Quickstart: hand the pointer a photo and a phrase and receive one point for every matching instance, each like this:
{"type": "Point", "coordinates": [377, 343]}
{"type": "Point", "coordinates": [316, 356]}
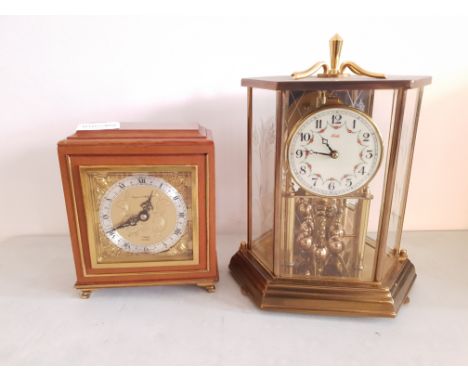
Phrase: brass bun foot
{"type": "Point", "coordinates": [244, 291]}
{"type": "Point", "coordinates": [340, 298]}
{"type": "Point", "coordinates": [86, 293]}
{"type": "Point", "coordinates": [210, 288]}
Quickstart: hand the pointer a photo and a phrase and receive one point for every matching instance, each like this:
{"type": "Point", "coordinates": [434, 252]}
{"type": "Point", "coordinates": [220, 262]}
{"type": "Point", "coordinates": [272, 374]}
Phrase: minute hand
{"type": "Point", "coordinates": [131, 221]}
{"type": "Point", "coordinates": [318, 152]}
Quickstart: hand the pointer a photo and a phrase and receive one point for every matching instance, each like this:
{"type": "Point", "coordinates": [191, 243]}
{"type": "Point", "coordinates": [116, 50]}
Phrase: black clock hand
{"type": "Point", "coordinates": [147, 205]}
{"type": "Point", "coordinates": [142, 216]}
{"type": "Point", "coordinates": [317, 152]}
{"type": "Point", "coordinates": [131, 221]}
{"type": "Point", "coordinates": [325, 142]}
{"type": "Point", "coordinates": [333, 153]}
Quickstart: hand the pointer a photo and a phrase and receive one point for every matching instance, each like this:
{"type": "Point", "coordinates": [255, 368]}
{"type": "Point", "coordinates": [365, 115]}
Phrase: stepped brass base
{"type": "Point", "coordinates": [324, 296]}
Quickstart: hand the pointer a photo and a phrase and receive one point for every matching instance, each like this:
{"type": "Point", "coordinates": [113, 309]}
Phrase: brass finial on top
{"type": "Point", "coordinates": [336, 43]}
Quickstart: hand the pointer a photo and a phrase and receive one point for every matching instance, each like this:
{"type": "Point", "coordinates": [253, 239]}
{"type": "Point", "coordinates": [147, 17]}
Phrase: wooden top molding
{"type": "Point", "coordinates": [341, 83]}
{"type": "Point", "coordinates": [144, 131]}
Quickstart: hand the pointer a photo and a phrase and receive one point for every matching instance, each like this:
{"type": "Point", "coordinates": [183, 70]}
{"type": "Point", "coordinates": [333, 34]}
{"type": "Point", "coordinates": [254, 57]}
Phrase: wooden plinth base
{"type": "Point", "coordinates": [324, 296]}
{"type": "Point", "coordinates": [87, 289]}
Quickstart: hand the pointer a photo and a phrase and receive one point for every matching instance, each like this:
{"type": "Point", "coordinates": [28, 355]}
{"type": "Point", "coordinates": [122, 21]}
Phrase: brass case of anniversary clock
{"type": "Point", "coordinates": [280, 266]}
{"type": "Point", "coordinates": [179, 159]}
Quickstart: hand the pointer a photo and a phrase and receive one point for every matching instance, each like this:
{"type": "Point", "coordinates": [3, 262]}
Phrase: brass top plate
{"type": "Point", "coordinates": [324, 83]}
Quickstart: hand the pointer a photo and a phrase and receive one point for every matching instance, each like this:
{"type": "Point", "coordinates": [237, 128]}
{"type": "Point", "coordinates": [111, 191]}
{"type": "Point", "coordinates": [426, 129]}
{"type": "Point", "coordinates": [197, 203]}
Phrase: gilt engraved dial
{"type": "Point", "coordinates": [335, 151]}
{"type": "Point", "coordinates": [143, 214]}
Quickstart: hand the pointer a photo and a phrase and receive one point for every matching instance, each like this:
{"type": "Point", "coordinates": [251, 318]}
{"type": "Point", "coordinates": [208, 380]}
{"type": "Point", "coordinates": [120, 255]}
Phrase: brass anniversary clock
{"type": "Point", "coordinates": [140, 205]}
{"type": "Point", "coordinates": [329, 162]}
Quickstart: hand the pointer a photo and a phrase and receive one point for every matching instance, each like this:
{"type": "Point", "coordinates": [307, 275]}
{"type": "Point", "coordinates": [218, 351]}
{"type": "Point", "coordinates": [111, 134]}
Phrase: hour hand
{"type": "Point", "coordinates": [333, 153]}
{"type": "Point", "coordinates": [325, 142]}
{"type": "Point", "coordinates": [147, 205]}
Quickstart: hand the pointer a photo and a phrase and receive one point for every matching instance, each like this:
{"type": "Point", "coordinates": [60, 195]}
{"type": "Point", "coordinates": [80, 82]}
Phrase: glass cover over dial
{"type": "Point", "coordinates": [143, 214]}
{"type": "Point", "coordinates": [334, 151]}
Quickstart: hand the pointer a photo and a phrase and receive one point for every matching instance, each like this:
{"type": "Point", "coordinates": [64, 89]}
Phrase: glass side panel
{"type": "Point", "coordinates": [404, 160]}
{"type": "Point", "coordinates": [263, 173]}
{"type": "Point", "coordinates": [326, 233]}
{"type": "Point", "coordinates": [383, 115]}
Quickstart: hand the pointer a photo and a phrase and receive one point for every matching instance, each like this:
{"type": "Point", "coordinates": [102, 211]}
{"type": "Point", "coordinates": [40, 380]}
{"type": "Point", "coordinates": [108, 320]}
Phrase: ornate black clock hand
{"type": "Point", "coordinates": [333, 153]}
{"type": "Point", "coordinates": [142, 216]}
{"type": "Point", "coordinates": [147, 205]}
{"type": "Point", "coordinates": [131, 221]}
{"type": "Point", "coordinates": [325, 142]}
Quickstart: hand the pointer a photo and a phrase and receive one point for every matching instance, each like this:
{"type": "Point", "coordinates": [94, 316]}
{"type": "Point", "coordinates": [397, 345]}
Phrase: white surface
{"type": "Point", "coordinates": [43, 321]}
{"type": "Point", "coordinates": [184, 64]}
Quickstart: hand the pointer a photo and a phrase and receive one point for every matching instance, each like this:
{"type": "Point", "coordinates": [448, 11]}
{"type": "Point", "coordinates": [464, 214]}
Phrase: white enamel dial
{"type": "Point", "coordinates": [143, 214]}
{"type": "Point", "coordinates": [334, 151]}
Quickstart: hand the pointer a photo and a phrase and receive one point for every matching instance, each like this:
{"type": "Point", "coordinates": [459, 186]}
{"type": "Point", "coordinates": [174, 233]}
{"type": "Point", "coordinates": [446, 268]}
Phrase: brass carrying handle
{"type": "Point", "coordinates": [336, 43]}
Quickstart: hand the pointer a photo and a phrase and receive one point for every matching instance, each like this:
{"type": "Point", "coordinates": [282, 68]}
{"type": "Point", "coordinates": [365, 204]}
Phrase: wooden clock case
{"type": "Point", "coordinates": [140, 145]}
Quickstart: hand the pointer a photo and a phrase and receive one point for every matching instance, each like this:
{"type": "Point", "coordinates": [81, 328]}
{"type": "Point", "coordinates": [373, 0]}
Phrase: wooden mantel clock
{"type": "Point", "coordinates": [141, 205]}
{"type": "Point", "coordinates": [329, 162]}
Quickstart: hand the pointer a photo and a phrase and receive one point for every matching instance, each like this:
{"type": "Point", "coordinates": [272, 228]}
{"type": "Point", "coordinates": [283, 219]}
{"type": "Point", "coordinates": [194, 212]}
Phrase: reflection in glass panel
{"type": "Point", "coordinates": [382, 115]}
{"type": "Point", "coordinates": [263, 173]}
{"type": "Point", "coordinates": [403, 169]}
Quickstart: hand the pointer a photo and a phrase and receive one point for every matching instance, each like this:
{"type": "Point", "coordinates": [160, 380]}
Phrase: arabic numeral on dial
{"type": "Point", "coordinates": [348, 182]}
{"type": "Point", "coordinates": [314, 182]}
{"type": "Point", "coordinates": [336, 118]}
{"type": "Point", "coordinates": [121, 185]}
{"type": "Point", "coordinates": [361, 170]}
{"type": "Point", "coordinates": [365, 137]}
{"type": "Point", "coordinates": [318, 124]}
{"type": "Point", "coordinates": [369, 154]}
{"type": "Point", "coordinates": [105, 217]}
{"type": "Point", "coordinates": [331, 186]}
{"type": "Point", "coordinates": [303, 169]}
{"type": "Point", "coordinates": [141, 179]}
{"type": "Point", "coordinates": [299, 153]}
{"type": "Point", "coordinates": [178, 231]}
{"type": "Point", "coordinates": [305, 137]}
{"type": "Point", "coordinates": [181, 214]}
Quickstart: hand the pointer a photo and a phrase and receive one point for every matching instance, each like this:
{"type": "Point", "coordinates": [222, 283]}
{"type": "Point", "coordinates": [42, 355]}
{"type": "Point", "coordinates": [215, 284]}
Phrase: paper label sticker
{"type": "Point", "coordinates": [98, 126]}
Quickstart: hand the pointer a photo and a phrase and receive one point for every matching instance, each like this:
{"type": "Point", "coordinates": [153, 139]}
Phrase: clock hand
{"type": "Point", "coordinates": [317, 152]}
{"type": "Point", "coordinates": [147, 205]}
{"type": "Point", "coordinates": [142, 216]}
{"type": "Point", "coordinates": [131, 221]}
{"type": "Point", "coordinates": [325, 142]}
{"type": "Point", "coordinates": [333, 153]}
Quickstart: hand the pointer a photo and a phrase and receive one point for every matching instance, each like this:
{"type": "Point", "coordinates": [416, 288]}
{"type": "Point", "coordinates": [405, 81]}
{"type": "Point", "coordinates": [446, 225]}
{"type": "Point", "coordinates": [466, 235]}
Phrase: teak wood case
{"type": "Point", "coordinates": [140, 145]}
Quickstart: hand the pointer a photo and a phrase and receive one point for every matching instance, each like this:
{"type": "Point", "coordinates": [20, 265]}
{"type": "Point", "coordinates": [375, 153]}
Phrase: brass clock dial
{"type": "Point", "coordinates": [143, 214]}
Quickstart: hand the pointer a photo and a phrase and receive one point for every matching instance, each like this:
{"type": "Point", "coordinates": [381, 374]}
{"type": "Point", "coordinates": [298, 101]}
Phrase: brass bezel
{"type": "Point", "coordinates": [94, 225]}
{"type": "Point", "coordinates": [297, 125]}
